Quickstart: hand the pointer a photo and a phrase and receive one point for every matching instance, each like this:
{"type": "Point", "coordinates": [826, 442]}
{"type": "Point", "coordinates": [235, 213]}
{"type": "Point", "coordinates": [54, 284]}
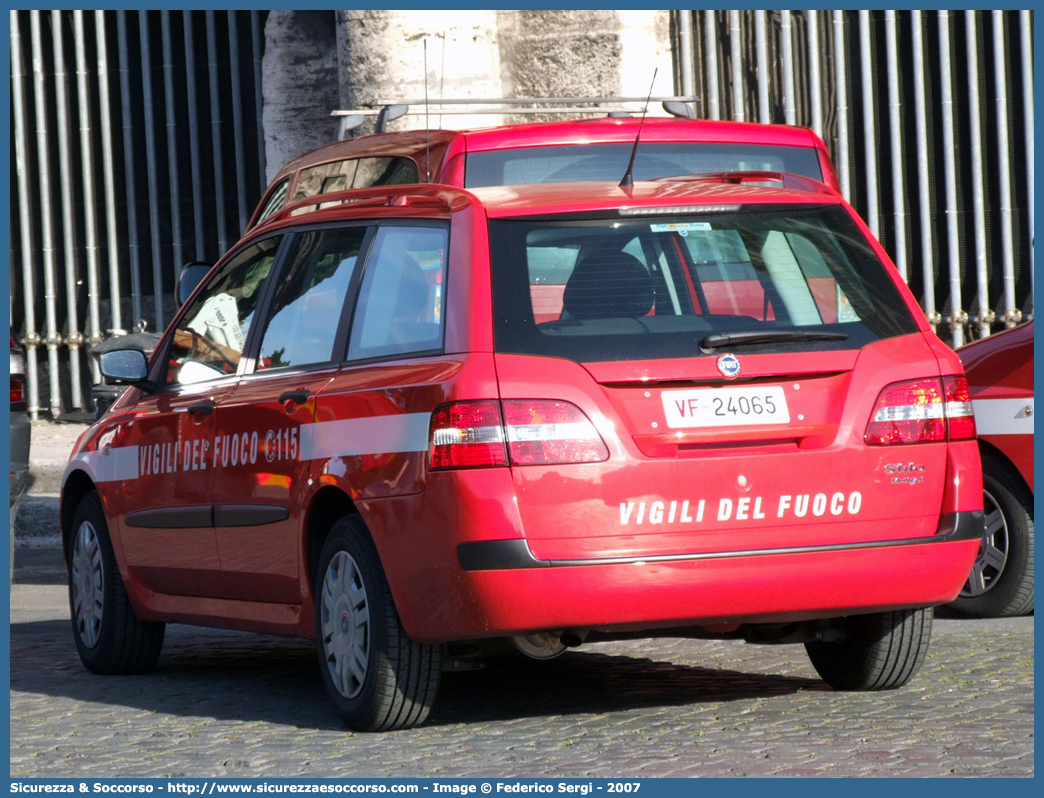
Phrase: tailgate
{"type": "Point", "coordinates": [699, 464]}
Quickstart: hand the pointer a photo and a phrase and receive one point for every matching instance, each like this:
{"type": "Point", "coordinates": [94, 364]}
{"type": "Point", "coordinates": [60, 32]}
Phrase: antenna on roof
{"type": "Point", "coordinates": [628, 178]}
{"type": "Point", "coordinates": [442, 77]}
{"type": "Point", "coordinates": [427, 125]}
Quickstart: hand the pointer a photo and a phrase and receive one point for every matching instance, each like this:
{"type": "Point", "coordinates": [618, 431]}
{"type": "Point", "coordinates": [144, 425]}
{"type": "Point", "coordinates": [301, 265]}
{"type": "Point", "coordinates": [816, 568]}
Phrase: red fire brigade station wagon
{"type": "Point", "coordinates": [422, 415]}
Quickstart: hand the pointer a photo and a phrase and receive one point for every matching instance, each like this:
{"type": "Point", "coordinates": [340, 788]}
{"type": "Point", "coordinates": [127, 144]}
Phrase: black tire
{"type": "Point", "coordinates": [391, 682]}
{"type": "Point", "coordinates": [881, 651]}
{"type": "Point", "coordinates": [109, 637]}
{"type": "Point", "coordinates": [1001, 581]}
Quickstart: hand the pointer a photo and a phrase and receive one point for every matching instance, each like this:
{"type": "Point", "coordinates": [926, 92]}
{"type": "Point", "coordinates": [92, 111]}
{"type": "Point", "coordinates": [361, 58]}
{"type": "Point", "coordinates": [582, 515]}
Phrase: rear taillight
{"type": "Point", "coordinates": [543, 432]}
{"type": "Point", "coordinates": [959, 414]}
{"type": "Point", "coordinates": [17, 393]}
{"type": "Point", "coordinates": [18, 401]}
{"type": "Point", "coordinates": [467, 435]}
{"type": "Point", "coordinates": [522, 432]}
{"type": "Point", "coordinates": [921, 411]}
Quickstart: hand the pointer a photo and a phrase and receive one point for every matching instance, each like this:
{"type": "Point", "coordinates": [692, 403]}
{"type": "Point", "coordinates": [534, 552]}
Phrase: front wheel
{"type": "Point", "coordinates": [880, 651]}
{"type": "Point", "coordinates": [377, 678]}
{"type": "Point", "coordinates": [109, 637]}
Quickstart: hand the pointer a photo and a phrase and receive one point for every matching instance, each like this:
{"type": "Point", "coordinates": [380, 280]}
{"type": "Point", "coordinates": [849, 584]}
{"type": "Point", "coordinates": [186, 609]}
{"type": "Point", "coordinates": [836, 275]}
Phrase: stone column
{"type": "Point", "coordinates": [299, 84]}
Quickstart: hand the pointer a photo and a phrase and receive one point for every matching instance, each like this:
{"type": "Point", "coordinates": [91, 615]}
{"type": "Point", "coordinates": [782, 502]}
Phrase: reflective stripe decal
{"type": "Point", "coordinates": [374, 435]}
{"type": "Point", "coordinates": [114, 464]}
{"type": "Point", "coordinates": [392, 434]}
{"type": "Point", "coordinates": [1004, 416]}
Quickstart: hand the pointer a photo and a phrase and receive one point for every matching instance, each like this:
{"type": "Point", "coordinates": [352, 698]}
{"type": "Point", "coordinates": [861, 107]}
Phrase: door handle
{"type": "Point", "coordinates": [298, 397]}
{"type": "Point", "coordinates": [204, 408]}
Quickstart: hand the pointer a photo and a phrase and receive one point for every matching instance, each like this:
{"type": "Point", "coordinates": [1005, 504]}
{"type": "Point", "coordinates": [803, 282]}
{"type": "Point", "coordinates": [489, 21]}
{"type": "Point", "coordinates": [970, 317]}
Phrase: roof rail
{"type": "Point", "coordinates": [387, 110]}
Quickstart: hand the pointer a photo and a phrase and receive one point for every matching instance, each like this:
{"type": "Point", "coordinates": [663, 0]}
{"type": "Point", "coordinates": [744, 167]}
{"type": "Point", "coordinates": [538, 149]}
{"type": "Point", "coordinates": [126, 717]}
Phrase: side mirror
{"type": "Point", "coordinates": [192, 274]}
{"type": "Point", "coordinates": [124, 367]}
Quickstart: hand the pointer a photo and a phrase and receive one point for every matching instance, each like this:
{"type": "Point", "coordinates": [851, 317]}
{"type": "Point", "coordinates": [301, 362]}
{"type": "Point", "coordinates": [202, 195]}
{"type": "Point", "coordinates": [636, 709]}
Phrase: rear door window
{"type": "Point", "coordinates": [629, 289]}
{"type": "Point", "coordinates": [400, 306]}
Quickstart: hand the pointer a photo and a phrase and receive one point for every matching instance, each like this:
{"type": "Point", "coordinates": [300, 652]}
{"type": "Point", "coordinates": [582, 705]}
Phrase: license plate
{"type": "Point", "coordinates": [725, 407]}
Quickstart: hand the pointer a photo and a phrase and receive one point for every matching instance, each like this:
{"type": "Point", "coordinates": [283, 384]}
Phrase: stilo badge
{"type": "Point", "coordinates": [729, 366]}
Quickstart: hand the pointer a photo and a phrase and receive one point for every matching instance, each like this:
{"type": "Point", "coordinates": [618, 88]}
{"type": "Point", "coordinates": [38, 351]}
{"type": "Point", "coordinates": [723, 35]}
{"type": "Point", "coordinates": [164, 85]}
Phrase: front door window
{"type": "Point", "coordinates": [209, 340]}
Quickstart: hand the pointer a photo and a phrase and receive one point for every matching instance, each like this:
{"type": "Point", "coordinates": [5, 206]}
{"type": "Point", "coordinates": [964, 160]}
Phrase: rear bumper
{"type": "Point", "coordinates": [496, 590]}
{"type": "Point", "coordinates": [504, 555]}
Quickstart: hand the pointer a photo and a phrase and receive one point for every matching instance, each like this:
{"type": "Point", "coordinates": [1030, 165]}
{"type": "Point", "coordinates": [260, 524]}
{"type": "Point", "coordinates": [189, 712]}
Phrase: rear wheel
{"type": "Point", "coordinates": [880, 651]}
{"type": "Point", "coordinates": [1001, 581]}
{"type": "Point", "coordinates": [109, 637]}
{"type": "Point", "coordinates": [377, 678]}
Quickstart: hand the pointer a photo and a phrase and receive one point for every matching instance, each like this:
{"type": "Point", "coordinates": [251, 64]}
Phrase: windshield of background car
{"type": "Point", "coordinates": [339, 176]}
{"type": "Point", "coordinates": [801, 278]}
{"type": "Point", "coordinates": [607, 162]}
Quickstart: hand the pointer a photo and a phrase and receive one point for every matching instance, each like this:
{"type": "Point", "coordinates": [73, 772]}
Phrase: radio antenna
{"type": "Point", "coordinates": [427, 126]}
{"type": "Point", "coordinates": [442, 77]}
{"type": "Point", "coordinates": [628, 178]}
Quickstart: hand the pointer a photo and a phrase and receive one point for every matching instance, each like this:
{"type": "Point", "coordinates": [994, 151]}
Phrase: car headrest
{"type": "Point", "coordinates": [608, 284]}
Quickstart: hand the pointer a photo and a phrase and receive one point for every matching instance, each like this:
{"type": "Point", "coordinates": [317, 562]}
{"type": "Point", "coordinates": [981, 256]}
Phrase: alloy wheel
{"type": "Point", "coordinates": [993, 551]}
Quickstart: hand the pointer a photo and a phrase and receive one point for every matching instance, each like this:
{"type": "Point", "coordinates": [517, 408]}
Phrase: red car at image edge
{"type": "Point", "coordinates": [1000, 380]}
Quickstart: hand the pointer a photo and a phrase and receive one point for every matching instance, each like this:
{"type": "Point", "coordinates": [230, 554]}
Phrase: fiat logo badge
{"type": "Point", "coordinates": [729, 366]}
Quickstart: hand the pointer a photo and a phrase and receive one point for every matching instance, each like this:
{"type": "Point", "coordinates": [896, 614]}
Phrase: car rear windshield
{"type": "Point", "coordinates": [608, 162]}
{"type": "Point", "coordinates": [767, 278]}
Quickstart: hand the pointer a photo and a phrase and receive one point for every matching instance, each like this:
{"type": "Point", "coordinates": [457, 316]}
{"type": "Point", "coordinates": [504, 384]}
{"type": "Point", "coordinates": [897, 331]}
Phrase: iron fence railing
{"type": "Point", "coordinates": [137, 147]}
{"type": "Point", "coordinates": [929, 118]}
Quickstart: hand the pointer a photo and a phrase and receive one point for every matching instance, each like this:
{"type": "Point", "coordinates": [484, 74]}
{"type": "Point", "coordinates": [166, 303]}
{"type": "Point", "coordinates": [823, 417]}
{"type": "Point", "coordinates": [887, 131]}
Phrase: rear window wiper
{"type": "Point", "coordinates": [743, 337]}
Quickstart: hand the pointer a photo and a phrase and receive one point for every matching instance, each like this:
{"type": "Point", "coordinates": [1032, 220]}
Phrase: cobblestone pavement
{"type": "Point", "coordinates": [225, 704]}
